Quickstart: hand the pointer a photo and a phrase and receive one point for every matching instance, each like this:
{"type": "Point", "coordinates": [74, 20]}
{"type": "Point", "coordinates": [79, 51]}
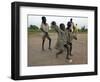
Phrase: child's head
{"type": "Point", "coordinates": [68, 25]}
{"type": "Point", "coordinates": [62, 26]}
{"type": "Point", "coordinates": [44, 19]}
{"type": "Point", "coordinates": [71, 20]}
{"type": "Point", "coordinates": [53, 23]}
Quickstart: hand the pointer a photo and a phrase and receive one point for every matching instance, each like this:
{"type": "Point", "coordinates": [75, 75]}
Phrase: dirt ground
{"type": "Point", "coordinates": [37, 57]}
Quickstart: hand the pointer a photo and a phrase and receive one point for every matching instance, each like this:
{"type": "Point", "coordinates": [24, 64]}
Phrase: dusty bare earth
{"type": "Point", "coordinates": [37, 57]}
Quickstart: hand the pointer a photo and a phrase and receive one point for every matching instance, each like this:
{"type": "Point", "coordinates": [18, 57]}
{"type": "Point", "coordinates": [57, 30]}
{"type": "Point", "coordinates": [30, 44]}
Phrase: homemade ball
{"type": "Point", "coordinates": [70, 61]}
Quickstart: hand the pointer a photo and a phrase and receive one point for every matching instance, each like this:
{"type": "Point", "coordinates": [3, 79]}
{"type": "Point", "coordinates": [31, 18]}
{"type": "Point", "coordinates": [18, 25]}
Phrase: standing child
{"type": "Point", "coordinates": [71, 25]}
{"type": "Point", "coordinates": [45, 28]}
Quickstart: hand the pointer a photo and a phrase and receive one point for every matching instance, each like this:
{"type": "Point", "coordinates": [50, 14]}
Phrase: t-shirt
{"type": "Point", "coordinates": [69, 36]}
{"type": "Point", "coordinates": [61, 35]}
{"type": "Point", "coordinates": [45, 27]}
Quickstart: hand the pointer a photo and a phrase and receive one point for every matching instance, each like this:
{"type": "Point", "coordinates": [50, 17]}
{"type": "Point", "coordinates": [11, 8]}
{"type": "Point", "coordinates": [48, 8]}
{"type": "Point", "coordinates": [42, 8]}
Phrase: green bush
{"type": "Point", "coordinates": [33, 28]}
{"type": "Point", "coordinates": [83, 29]}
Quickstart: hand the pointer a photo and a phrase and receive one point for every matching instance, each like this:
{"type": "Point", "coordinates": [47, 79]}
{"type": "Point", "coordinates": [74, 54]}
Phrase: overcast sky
{"type": "Point", "coordinates": [36, 20]}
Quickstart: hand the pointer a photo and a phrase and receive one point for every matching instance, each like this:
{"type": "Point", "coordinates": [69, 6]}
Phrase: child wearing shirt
{"type": "Point", "coordinates": [61, 43]}
{"type": "Point", "coordinates": [45, 28]}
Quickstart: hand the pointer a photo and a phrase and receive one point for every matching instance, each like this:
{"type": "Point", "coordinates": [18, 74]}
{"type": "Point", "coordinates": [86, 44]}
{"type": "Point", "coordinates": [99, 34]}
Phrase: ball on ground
{"type": "Point", "coordinates": [70, 61]}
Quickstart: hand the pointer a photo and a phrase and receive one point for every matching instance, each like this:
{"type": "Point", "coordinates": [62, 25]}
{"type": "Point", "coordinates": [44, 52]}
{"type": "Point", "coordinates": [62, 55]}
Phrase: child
{"type": "Point", "coordinates": [71, 36]}
{"type": "Point", "coordinates": [61, 44]}
{"type": "Point", "coordinates": [71, 25]}
{"type": "Point", "coordinates": [45, 28]}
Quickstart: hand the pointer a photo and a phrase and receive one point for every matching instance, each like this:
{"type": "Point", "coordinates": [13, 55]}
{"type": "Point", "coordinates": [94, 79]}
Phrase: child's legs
{"type": "Point", "coordinates": [68, 51]}
{"type": "Point", "coordinates": [43, 41]}
{"type": "Point", "coordinates": [48, 37]}
{"type": "Point", "coordinates": [58, 53]}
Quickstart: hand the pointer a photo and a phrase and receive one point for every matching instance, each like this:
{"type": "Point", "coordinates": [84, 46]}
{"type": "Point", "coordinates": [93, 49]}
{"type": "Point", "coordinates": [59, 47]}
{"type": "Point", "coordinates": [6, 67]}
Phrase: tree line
{"type": "Point", "coordinates": [33, 28]}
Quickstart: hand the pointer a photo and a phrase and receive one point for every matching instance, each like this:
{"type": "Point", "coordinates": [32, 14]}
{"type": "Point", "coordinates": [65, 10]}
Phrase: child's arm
{"type": "Point", "coordinates": [55, 27]}
{"type": "Point", "coordinates": [42, 30]}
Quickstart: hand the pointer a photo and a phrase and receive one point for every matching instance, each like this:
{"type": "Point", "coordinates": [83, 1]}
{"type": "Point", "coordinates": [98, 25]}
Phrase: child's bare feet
{"type": "Point", "coordinates": [58, 53]}
{"type": "Point", "coordinates": [68, 57]}
{"type": "Point", "coordinates": [71, 54]}
{"type": "Point", "coordinates": [49, 48]}
{"type": "Point", "coordinates": [69, 60]}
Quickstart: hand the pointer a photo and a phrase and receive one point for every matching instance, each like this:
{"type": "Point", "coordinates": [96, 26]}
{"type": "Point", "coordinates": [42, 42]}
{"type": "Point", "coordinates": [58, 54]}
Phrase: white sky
{"type": "Point", "coordinates": [36, 20]}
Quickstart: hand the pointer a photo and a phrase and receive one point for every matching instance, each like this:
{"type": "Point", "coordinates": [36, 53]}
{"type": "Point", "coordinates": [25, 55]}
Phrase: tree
{"type": "Point", "coordinates": [83, 29]}
{"type": "Point", "coordinates": [34, 27]}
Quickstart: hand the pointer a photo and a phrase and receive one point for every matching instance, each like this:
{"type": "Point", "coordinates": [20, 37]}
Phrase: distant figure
{"type": "Point", "coordinates": [75, 31]}
{"type": "Point", "coordinates": [45, 28]}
